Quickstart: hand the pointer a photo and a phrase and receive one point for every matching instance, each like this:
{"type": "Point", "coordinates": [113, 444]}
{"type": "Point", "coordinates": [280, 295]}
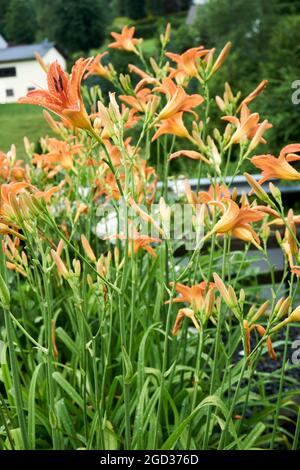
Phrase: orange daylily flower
{"type": "Point", "coordinates": [137, 241]}
{"type": "Point", "coordinates": [187, 62]}
{"type": "Point", "coordinates": [261, 331]}
{"type": "Point", "coordinates": [280, 167]}
{"type": "Point", "coordinates": [173, 125]}
{"type": "Point", "coordinates": [296, 270]}
{"type": "Point", "coordinates": [217, 193]}
{"type": "Point", "coordinates": [125, 40]}
{"type": "Point", "coordinates": [11, 170]}
{"type": "Point", "coordinates": [178, 100]}
{"type": "Point", "coordinates": [189, 154]}
{"type": "Point", "coordinates": [139, 100]}
{"type": "Point", "coordinates": [97, 68]}
{"type": "Point", "coordinates": [63, 96]}
{"type": "Point", "coordinates": [236, 221]}
{"type": "Point", "coordinates": [194, 295]}
{"type": "Point", "coordinates": [247, 126]}
{"type": "Point", "coordinates": [184, 312]}
{"type": "Point", "coordinates": [60, 156]}
{"type": "Point", "coordinates": [7, 189]}
{"type": "Point", "coordinates": [214, 193]}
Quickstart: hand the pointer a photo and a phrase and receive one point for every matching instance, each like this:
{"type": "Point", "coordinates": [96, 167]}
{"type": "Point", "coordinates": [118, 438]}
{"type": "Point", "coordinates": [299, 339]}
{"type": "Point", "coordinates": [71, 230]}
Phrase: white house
{"type": "Point", "coordinates": [20, 72]}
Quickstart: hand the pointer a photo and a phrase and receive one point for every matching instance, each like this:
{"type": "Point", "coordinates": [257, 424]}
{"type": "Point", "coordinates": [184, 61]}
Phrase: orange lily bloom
{"type": "Point", "coordinates": [60, 156]}
{"type": "Point", "coordinates": [236, 221]}
{"type": "Point", "coordinates": [125, 40]}
{"type": "Point", "coordinates": [217, 193]}
{"type": "Point", "coordinates": [296, 270]}
{"type": "Point", "coordinates": [139, 100]}
{"type": "Point", "coordinates": [261, 331]}
{"type": "Point", "coordinates": [97, 68]}
{"type": "Point", "coordinates": [184, 312]}
{"type": "Point", "coordinates": [280, 167]}
{"type": "Point", "coordinates": [174, 126]}
{"type": "Point", "coordinates": [189, 154]}
{"type": "Point", "coordinates": [194, 295]}
{"type": "Point", "coordinates": [14, 188]}
{"type": "Point", "coordinates": [247, 126]}
{"type": "Point", "coordinates": [63, 96]}
{"type": "Point", "coordinates": [10, 169]}
{"type": "Point", "coordinates": [214, 193]}
{"type": "Point", "coordinates": [187, 62]}
{"type": "Point", "coordinates": [137, 241]}
{"type": "Point", "coordinates": [178, 100]}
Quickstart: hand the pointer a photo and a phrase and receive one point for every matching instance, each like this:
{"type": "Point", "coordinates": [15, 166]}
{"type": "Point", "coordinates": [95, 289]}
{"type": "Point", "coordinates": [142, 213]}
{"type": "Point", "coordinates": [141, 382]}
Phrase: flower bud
{"type": "Point", "coordinates": [275, 193]}
{"type": "Point", "coordinates": [4, 294]}
{"type": "Point", "coordinates": [256, 187]}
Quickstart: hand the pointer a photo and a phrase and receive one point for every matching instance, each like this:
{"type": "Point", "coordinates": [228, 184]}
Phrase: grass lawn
{"type": "Point", "coordinates": [19, 120]}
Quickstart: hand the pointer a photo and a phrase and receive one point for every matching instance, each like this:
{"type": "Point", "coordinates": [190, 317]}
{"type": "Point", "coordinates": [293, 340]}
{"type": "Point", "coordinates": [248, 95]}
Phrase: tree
{"type": "Point", "coordinates": [136, 9]}
{"type": "Point", "coordinates": [79, 26]}
{"type": "Point", "coordinates": [45, 17]}
{"type": "Point", "coordinates": [3, 8]}
{"type": "Point", "coordinates": [20, 24]}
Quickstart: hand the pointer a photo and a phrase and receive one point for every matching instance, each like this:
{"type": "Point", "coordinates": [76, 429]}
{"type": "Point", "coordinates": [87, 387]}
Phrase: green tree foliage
{"type": "Point", "coordinates": [265, 40]}
{"type": "Point", "coordinates": [3, 9]}
{"type": "Point", "coordinates": [19, 22]}
{"type": "Point", "coordinates": [46, 21]}
{"type": "Point", "coordinates": [282, 68]}
{"type": "Point", "coordinates": [136, 9]}
{"type": "Point", "coordinates": [79, 25]}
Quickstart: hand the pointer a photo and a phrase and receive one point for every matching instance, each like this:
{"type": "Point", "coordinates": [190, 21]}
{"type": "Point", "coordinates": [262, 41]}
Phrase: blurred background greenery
{"type": "Point", "coordinates": [265, 36]}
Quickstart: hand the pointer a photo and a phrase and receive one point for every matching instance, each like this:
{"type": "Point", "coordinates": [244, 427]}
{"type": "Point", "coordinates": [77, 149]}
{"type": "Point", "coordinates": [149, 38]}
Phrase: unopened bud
{"type": "Point", "coordinates": [275, 193]}
{"type": "Point", "coordinates": [221, 58]}
{"type": "Point", "coordinates": [87, 248]}
{"type": "Point", "coordinates": [61, 267]}
{"type": "Point", "coordinates": [4, 294]}
{"type": "Point", "coordinates": [256, 187]}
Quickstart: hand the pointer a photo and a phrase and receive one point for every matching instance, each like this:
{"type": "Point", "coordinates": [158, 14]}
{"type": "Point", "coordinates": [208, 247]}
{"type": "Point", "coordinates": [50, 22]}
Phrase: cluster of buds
{"type": "Point", "coordinates": [228, 103]}
{"type": "Point", "coordinates": [21, 204]}
{"type": "Point", "coordinates": [250, 324]}
{"type": "Point", "coordinates": [15, 260]}
{"type": "Point", "coordinates": [70, 275]}
{"type": "Point", "coordinates": [289, 244]}
{"type": "Point", "coordinates": [293, 317]}
{"type": "Point", "coordinates": [229, 296]}
{"type": "Point", "coordinates": [11, 169]}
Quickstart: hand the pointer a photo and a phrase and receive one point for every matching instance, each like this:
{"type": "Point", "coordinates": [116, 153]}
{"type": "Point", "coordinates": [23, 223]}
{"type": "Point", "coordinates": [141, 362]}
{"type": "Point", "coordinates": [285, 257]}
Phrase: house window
{"type": "Point", "coordinates": [10, 93]}
{"type": "Point", "coordinates": [8, 72]}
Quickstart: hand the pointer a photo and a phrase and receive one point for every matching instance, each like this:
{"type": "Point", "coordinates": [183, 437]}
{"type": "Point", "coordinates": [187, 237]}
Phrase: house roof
{"type": "Point", "coordinates": [18, 53]}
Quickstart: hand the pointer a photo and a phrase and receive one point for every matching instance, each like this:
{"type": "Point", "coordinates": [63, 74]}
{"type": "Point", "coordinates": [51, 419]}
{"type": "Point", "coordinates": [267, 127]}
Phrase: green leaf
{"type": "Point", "coordinates": [65, 385]}
{"type": "Point", "coordinates": [128, 367]}
{"type": "Point", "coordinates": [31, 407]}
{"type": "Point", "coordinates": [252, 437]}
{"type": "Point", "coordinates": [212, 400]}
{"type": "Point", "coordinates": [65, 338]}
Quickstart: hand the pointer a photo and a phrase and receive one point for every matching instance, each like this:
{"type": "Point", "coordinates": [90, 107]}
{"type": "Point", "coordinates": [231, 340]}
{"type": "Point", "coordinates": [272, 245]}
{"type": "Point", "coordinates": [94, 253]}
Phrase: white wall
{"type": "Point", "coordinates": [29, 75]}
{"type": "Point", "coordinates": [53, 55]}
